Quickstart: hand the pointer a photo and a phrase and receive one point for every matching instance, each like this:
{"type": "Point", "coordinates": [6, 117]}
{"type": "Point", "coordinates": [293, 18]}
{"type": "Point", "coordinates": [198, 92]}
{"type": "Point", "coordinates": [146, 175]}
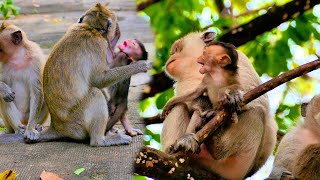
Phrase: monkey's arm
{"type": "Point", "coordinates": [186, 97]}
{"type": "Point", "coordinates": [36, 102]}
{"type": "Point", "coordinates": [230, 97]}
{"type": "Point", "coordinates": [6, 92]}
{"type": "Point", "coordinates": [117, 74]}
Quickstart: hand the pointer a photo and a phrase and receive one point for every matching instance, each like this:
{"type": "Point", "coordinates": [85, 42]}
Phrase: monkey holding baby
{"type": "Point", "coordinates": [241, 148]}
{"type": "Point", "coordinates": [74, 76]}
{"type": "Point", "coordinates": [131, 50]}
{"type": "Point", "coordinates": [21, 82]}
{"type": "Point", "coordinates": [298, 154]}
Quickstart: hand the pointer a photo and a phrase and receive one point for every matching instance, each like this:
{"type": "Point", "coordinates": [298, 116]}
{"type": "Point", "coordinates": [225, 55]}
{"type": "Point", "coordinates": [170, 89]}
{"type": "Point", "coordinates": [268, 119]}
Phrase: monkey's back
{"type": "Point", "coordinates": [68, 71]}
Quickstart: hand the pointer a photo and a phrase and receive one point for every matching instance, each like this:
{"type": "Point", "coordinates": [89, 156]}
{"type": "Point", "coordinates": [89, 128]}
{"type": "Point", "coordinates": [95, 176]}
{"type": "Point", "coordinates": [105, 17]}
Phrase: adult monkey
{"type": "Point", "coordinates": [74, 75]}
{"type": "Point", "coordinates": [241, 148]}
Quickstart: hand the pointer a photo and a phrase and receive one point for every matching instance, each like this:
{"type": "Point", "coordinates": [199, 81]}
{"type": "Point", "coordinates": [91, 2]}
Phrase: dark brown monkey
{"type": "Point", "coordinates": [298, 154]}
{"type": "Point", "coordinates": [21, 81]}
{"type": "Point", "coordinates": [130, 51]}
{"type": "Point", "coordinates": [74, 76]}
{"type": "Point", "coordinates": [240, 149]}
{"type": "Point", "coordinates": [220, 64]}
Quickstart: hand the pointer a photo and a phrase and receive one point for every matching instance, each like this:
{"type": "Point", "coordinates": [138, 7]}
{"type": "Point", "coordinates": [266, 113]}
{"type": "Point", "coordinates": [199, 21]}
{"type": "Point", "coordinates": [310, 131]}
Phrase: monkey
{"type": "Point", "coordinates": [298, 154]}
{"type": "Point", "coordinates": [220, 83]}
{"type": "Point", "coordinates": [21, 82]}
{"type": "Point", "coordinates": [74, 76]}
{"type": "Point", "coordinates": [130, 51]}
{"type": "Point", "coordinates": [241, 148]}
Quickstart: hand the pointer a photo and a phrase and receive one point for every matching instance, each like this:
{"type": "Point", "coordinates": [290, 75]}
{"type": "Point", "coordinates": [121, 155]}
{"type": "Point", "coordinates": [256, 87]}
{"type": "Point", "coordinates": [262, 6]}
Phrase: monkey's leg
{"type": "Point", "coordinates": [307, 166]}
{"type": "Point", "coordinates": [12, 117]}
{"type": "Point", "coordinates": [189, 141]}
{"type": "Point", "coordinates": [127, 126]}
{"type": "Point", "coordinates": [174, 126]}
{"type": "Point", "coordinates": [119, 111]}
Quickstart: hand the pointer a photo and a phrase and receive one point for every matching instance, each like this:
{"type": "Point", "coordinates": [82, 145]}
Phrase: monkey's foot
{"type": "Point", "coordinates": [188, 143]}
{"type": "Point", "coordinates": [286, 175]}
{"type": "Point", "coordinates": [113, 140]}
{"type": "Point", "coordinates": [134, 132]}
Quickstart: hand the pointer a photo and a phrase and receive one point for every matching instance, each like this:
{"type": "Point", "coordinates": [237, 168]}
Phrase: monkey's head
{"type": "Point", "coordinates": [182, 63]}
{"type": "Point", "coordinates": [218, 55]}
{"type": "Point", "coordinates": [134, 49]}
{"type": "Point", "coordinates": [312, 109]}
{"type": "Point", "coordinates": [11, 38]}
{"type": "Point", "coordinates": [101, 18]}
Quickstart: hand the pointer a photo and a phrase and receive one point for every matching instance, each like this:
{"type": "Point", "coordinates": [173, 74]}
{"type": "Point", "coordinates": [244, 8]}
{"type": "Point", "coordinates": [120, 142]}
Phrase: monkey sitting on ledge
{"type": "Point", "coordinates": [298, 154]}
{"type": "Point", "coordinates": [130, 52]}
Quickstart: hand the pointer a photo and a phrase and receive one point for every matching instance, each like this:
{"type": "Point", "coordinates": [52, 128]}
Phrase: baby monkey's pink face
{"type": "Point", "coordinates": [132, 48]}
{"type": "Point", "coordinates": [211, 57]}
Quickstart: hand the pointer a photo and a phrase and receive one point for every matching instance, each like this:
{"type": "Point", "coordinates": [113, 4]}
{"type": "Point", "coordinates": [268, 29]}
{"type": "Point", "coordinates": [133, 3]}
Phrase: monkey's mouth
{"type": "Point", "coordinates": [171, 61]}
{"type": "Point", "coordinates": [125, 44]}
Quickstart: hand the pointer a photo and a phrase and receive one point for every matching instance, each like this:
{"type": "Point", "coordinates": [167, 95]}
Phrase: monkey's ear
{"type": "Point", "coordinates": [81, 19]}
{"type": "Point", "coordinates": [304, 109]}
{"type": "Point", "coordinates": [4, 25]}
{"type": "Point", "coordinates": [208, 37]}
{"type": "Point", "coordinates": [224, 60]}
{"type": "Point", "coordinates": [16, 37]}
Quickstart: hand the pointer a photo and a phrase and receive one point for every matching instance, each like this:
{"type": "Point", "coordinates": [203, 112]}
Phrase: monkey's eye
{"type": "Point", "coordinates": [1, 50]}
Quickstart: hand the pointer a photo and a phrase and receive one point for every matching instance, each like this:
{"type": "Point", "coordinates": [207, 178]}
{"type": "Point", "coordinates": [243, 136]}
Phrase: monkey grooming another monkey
{"type": "Point", "coordinates": [130, 51]}
{"type": "Point", "coordinates": [298, 154]}
{"type": "Point", "coordinates": [221, 84]}
{"type": "Point", "coordinates": [240, 149]}
{"type": "Point", "coordinates": [21, 82]}
{"type": "Point", "coordinates": [74, 76]}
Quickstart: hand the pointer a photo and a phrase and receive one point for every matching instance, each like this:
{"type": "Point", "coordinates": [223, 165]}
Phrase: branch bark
{"type": "Point", "coordinates": [245, 33]}
{"type": "Point", "coordinates": [157, 164]}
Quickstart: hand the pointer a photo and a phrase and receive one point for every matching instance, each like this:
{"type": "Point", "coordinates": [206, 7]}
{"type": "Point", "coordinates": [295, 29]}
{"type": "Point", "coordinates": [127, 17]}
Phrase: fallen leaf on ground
{"type": "Point", "coordinates": [46, 175]}
{"type": "Point", "coordinates": [8, 175]}
{"type": "Point", "coordinates": [78, 171]}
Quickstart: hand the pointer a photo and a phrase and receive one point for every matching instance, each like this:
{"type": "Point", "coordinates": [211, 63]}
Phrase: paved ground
{"type": "Point", "coordinates": [45, 22]}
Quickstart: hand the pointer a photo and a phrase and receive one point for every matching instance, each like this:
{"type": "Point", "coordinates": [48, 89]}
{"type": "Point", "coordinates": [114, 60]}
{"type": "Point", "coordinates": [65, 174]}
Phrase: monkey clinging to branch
{"type": "Point", "coordinates": [238, 150]}
{"type": "Point", "coordinates": [21, 77]}
{"type": "Point", "coordinates": [74, 76]}
{"type": "Point", "coordinates": [130, 52]}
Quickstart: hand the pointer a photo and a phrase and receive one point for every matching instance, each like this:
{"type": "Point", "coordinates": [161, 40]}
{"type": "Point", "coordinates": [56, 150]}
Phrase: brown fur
{"type": "Point", "coordinates": [22, 66]}
{"type": "Point", "coordinates": [243, 147]}
{"type": "Point", "coordinates": [74, 75]}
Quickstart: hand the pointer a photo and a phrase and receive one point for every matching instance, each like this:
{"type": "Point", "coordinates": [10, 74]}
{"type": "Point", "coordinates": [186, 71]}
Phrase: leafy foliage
{"type": "Point", "coordinates": [288, 46]}
{"type": "Point", "coordinates": [6, 6]}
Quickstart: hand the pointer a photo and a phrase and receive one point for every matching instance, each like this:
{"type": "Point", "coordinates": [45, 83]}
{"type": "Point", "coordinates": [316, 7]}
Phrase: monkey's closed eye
{"type": "Point", "coordinates": [1, 50]}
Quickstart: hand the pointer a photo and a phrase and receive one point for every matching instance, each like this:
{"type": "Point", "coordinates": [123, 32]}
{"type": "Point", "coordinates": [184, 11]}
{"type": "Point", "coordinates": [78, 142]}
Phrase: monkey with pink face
{"type": "Point", "coordinates": [131, 50]}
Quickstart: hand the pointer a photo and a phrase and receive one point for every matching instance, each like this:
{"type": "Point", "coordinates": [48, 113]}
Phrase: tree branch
{"type": "Point", "coordinates": [157, 164]}
{"type": "Point", "coordinates": [143, 5]}
{"type": "Point", "coordinates": [245, 33]}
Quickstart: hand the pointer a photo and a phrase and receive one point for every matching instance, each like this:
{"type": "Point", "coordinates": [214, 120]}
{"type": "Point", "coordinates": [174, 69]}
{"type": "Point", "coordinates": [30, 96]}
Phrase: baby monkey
{"type": "Point", "coordinates": [220, 84]}
{"type": "Point", "coordinates": [131, 50]}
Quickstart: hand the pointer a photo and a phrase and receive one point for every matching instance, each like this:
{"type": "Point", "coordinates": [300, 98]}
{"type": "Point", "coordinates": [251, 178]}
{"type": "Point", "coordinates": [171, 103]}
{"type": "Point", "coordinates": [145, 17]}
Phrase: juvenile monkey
{"type": "Point", "coordinates": [21, 81]}
{"type": "Point", "coordinates": [241, 148]}
{"type": "Point", "coordinates": [298, 155]}
{"type": "Point", "coordinates": [130, 51]}
{"type": "Point", "coordinates": [220, 83]}
{"type": "Point", "coordinates": [74, 76]}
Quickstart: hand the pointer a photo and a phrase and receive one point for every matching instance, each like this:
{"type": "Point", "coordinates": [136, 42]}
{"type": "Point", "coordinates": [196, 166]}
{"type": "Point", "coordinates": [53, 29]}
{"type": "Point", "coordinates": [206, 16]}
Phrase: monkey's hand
{"type": "Point", "coordinates": [230, 99]}
{"type": "Point", "coordinates": [6, 93]}
{"type": "Point", "coordinates": [188, 143]}
{"type": "Point", "coordinates": [32, 134]}
{"type": "Point", "coordinates": [144, 65]}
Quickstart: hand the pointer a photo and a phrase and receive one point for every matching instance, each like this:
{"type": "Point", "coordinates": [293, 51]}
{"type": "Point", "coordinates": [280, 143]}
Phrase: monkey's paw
{"type": "Point", "coordinates": [31, 135]}
{"type": "Point", "coordinates": [117, 139]}
{"type": "Point", "coordinates": [20, 130]}
{"type": "Point", "coordinates": [286, 175]}
{"type": "Point", "coordinates": [188, 143]}
{"type": "Point", "coordinates": [134, 132]}
{"type": "Point", "coordinates": [7, 94]}
{"type": "Point", "coordinates": [231, 100]}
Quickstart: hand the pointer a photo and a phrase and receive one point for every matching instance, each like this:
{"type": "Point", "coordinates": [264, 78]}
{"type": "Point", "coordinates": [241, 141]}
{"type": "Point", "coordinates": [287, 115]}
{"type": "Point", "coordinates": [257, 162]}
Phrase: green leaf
{"type": "Point", "coordinates": [78, 171]}
{"type": "Point", "coordinates": [164, 97]}
{"type": "Point", "coordinates": [144, 105]}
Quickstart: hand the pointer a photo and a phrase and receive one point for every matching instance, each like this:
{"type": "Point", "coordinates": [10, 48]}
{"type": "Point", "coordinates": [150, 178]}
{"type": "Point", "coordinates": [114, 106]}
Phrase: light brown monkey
{"type": "Point", "coordinates": [240, 149]}
{"type": "Point", "coordinates": [74, 76]}
{"type": "Point", "coordinates": [298, 154]}
{"type": "Point", "coordinates": [130, 51]}
{"type": "Point", "coordinates": [220, 64]}
{"type": "Point", "coordinates": [22, 66]}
